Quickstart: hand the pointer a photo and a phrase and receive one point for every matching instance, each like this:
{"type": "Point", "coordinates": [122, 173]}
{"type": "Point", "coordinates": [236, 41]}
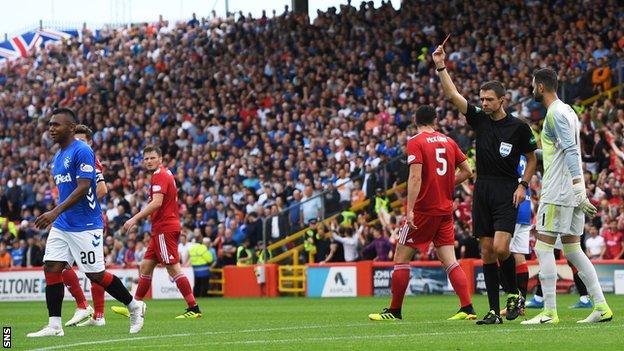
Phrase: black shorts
{"type": "Point", "coordinates": [492, 208]}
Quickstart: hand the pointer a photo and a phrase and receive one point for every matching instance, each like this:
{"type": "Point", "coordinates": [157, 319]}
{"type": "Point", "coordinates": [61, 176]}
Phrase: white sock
{"type": "Point", "coordinates": [548, 273]}
{"type": "Point", "coordinates": [586, 271]}
{"type": "Point", "coordinates": [54, 322]}
{"type": "Point", "coordinates": [133, 304]}
{"type": "Point", "coordinates": [584, 299]}
{"type": "Point", "coordinates": [538, 298]}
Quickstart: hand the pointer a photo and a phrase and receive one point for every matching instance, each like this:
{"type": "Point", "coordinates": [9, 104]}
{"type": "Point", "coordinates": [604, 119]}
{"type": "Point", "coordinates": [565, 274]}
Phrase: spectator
{"type": "Point", "coordinates": [331, 198]}
{"type": "Point", "coordinates": [6, 261]}
{"type": "Point", "coordinates": [139, 252]}
{"type": "Point", "coordinates": [254, 227]}
{"type": "Point", "coordinates": [601, 77]}
{"type": "Point", "coordinates": [344, 186]}
{"type": "Point", "coordinates": [17, 252]}
{"type": "Point", "coordinates": [296, 218]}
{"type": "Point", "coordinates": [380, 248]}
{"type": "Point", "coordinates": [310, 205]}
{"type": "Point", "coordinates": [614, 242]}
{"type": "Point", "coordinates": [357, 195]}
{"type": "Point", "coordinates": [183, 250]}
{"type": "Point", "coordinates": [33, 256]}
{"type": "Point", "coordinates": [228, 249]}
{"type": "Point", "coordinates": [14, 196]}
{"type": "Point", "coordinates": [130, 259]}
{"type": "Point", "coordinates": [349, 239]}
{"type": "Point", "coordinates": [277, 225]}
{"type": "Point", "coordinates": [595, 244]}
{"type": "Point", "coordinates": [322, 243]}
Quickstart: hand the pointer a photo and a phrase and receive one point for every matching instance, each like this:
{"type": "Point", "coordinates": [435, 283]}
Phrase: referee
{"type": "Point", "coordinates": [500, 141]}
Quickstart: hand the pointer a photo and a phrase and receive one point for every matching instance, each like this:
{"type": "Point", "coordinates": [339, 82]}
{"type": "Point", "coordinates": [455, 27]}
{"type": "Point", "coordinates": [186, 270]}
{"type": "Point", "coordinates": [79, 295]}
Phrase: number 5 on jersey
{"type": "Point", "coordinates": [440, 152]}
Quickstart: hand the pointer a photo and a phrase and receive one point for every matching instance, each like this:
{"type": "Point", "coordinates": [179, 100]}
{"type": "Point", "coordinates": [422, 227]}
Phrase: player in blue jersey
{"type": "Point", "coordinates": [77, 226]}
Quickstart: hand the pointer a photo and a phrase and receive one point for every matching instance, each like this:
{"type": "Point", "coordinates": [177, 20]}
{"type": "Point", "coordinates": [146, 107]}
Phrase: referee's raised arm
{"type": "Point", "coordinates": [447, 84]}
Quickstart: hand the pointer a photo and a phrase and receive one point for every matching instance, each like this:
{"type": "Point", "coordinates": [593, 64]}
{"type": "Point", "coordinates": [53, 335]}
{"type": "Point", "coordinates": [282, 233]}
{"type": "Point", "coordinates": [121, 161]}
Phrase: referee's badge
{"type": "Point", "coordinates": [505, 149]}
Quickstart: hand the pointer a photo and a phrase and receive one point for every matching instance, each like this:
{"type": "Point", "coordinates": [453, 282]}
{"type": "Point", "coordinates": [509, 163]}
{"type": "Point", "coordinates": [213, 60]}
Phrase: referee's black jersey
{"type": "Point", "coordinates": [499, 144]}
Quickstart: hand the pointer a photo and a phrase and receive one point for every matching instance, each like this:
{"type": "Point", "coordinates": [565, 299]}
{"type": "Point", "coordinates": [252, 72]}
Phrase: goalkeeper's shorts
{"type": "Point", "coordinates": [560, 220]}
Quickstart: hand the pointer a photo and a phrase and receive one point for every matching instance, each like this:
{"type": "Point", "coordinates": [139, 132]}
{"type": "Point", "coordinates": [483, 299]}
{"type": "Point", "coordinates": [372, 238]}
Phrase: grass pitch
{"type": "Point", "coordinates": [316, 324]}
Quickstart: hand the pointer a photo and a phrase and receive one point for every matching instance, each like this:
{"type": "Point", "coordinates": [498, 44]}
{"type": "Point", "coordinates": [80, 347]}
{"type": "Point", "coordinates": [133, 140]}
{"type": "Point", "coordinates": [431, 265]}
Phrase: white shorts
{"type": "Point", "coordinates": [554, 220]}
{"type": "Point", "coordinates": [520, 240]}
{"type": "Point", "coordinates": [83, 247]}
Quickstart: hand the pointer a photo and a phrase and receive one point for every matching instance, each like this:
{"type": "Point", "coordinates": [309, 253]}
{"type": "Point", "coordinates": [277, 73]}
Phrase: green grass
{"type": "Point", "coordinates": [316, 324]}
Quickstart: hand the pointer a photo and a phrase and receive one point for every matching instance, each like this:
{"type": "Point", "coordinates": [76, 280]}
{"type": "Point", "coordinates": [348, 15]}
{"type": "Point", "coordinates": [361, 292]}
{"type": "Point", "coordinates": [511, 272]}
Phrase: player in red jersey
{"type": "Point", "coordinates": [432, 159]}
{"type": "Point", "coordinates": [163, 246]}
{"type": "Point", "coordinates": [84, 312]}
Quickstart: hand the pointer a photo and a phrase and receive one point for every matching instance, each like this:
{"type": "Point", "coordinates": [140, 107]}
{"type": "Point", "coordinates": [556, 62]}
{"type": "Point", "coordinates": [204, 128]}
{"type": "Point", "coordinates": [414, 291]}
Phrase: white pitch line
{"type": "Point", "coordinates": [328, 338]}
{"type": "Point", "coordinates": [150, 337]}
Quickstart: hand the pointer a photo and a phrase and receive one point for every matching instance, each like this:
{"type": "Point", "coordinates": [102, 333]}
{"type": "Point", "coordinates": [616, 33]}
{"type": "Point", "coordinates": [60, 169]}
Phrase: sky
{"type": "Point", "coordinates": [21, 16]}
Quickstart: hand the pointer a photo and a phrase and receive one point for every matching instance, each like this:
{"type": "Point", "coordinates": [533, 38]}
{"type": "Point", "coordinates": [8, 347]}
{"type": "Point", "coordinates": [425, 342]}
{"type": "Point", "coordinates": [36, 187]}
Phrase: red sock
{"type": "Point", "coordinates": [52, 278]}
{"type": "Point", "coordinates": [400, 280]}
{"type": "Point", "coordinates": [106, 280]}
{"type": "Point", "coordinates": [460, 284]}
{"type": "Point", "coordinates": [185, 288]}
{"type": "Point", "coordinates": [73, 285]}
{"type": "Point", "coordinates": [145, 283]}
{"type": "Point", "coordinates": [97, 293]}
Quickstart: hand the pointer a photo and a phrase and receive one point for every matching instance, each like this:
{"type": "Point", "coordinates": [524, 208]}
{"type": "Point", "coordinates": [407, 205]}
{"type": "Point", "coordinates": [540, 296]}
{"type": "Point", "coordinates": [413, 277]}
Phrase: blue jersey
{"type": "Point", "coordinates": [76, 161]}
{"type": "Point", "coordinates": [524, 209]}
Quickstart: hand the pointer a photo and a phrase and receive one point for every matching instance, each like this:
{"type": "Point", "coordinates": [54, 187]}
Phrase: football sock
{"type": "Point", "coordinates": [145, 282]}
{"type": "Point", "coordinates": [501, 279]}
{"type": "Point", "coordinates": [97, 293]}
{"type": "Point", "coordinates": [115, 288]}
{"type": "Point", "coordinates": [580, 286]}
{"type": "Point", "coordinates": [548, 273]}
{"type": "Point", "coordinates": [522, 278]}
{"type": "Point", "coordinates": [538, 292]}
{"type": "Point", "coordinates": [54, 292]}
{"type": "Point", "coordinates": [400, 280]}
{"type": "Point", "coordinates": [508, 267]}
{"type": "Point", "coordinates": [70, 279]}
{"type": "Point", "coordinates": [460, 284]}
{"type": "Point", "coordinates": [490, 273]}
{"type": "Point", "coordinates": [185, 288]}
{"type": "Point", "coordinates": [586, 271]}
{"type": "Point", "coordinates": [55, 322]}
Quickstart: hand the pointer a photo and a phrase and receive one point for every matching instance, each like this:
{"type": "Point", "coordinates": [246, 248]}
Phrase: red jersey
{"type": "Point", "coordinates": [166, 219]}
{"type": "Point", "coordinates": [439, 156]}
{"type": "Point", "coordinates": [613, 241]}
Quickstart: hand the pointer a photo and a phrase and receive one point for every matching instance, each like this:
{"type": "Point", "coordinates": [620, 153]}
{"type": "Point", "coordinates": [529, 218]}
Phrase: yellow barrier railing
{"type": "Point", "coordinates": [291, 279]}
{"type": "Point", "coordinates": [609, 92]}
{"type": "Point", "coordinates": [216, 282]}
{"type": "Point", "coordinates": [294, 252]}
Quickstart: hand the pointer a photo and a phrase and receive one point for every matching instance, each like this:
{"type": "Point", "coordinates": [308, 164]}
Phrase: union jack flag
{"type": "Point", "coordinates": [19, 46]}
{"type": "Point", "coordinates": [22, 45]}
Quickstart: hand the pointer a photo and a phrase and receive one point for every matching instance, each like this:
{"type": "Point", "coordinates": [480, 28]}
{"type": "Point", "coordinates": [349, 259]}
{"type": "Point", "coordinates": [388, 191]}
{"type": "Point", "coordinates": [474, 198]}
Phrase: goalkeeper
{"type": "Point", "coordinates": [563, 202]}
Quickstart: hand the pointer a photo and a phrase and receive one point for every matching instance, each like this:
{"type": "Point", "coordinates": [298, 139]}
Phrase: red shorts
{"type": "Point", "coordinates": [163, 247]}
{"type": "Point", "coordinates": [439, 229]}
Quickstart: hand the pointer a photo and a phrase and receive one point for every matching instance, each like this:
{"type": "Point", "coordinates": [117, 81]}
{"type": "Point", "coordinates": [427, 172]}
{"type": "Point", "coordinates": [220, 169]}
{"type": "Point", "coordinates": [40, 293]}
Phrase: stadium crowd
{"type": "Point", "coordinates": [257, 116]}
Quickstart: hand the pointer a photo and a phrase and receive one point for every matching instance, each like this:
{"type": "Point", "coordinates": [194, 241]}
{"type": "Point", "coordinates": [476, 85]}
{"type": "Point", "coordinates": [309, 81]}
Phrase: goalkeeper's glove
{"type": "Point", "coordinates": [581, 199]}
